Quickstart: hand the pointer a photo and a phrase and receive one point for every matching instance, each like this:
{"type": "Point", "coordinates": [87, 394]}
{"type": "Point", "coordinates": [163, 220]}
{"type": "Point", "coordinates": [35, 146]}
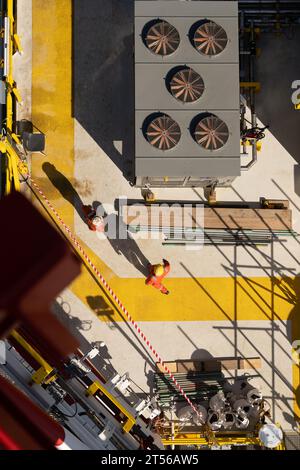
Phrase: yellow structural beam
{"type": "Point", "coordinates": [248, 30]}
{"type": "Point", "coordinates": [255, 85]}
{"type": "Point", "coordinates": [12, 94]}
{"type": "Point", "coordinates": [280, 447]}
{"type": "Point", "coordinates": [95, 386]}
{"type": "Point", "coordinates": [42, 374]}
{"type": "Point", "coordinates": [196, 439]}
{"type": "Point", "coordinates": [12, 174]}
{"type": "Point", "coordinates": [9, 110]}
{"type": "Point", "coordinates": [295, 333]}
{"type": "Point", "coordinates": [10, 9]}
{"type": "Point", "coordinates": [45, 374]}
{"type": "Point", "coordinates": [11, 89]}
{"type": "Point", "coordinates": [17, 43]}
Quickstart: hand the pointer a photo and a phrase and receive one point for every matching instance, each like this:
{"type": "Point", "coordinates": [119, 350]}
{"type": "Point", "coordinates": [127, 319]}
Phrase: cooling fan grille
{"type": "Point", "coordinates": [210, 38]}
{"type": "Point", "coordinates": [211, 133]}
{"type": "Point", "coordinates": [163, 132]}
{"type": "Point", "coordinates": [162, 38]}
{"type": "Point", "coordinates": [186, 85]}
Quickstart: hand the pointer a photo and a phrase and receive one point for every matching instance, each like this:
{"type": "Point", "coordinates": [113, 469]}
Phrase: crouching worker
{"type": "Point", "coordinates": [156, 275]}
{"type": "Point", "coordinates": [94, 222]}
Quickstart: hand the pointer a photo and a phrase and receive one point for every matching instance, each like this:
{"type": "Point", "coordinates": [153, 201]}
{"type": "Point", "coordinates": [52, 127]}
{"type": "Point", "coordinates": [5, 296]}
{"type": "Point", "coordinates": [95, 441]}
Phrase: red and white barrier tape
{"type": "Point", "coordinates": [113, 295]}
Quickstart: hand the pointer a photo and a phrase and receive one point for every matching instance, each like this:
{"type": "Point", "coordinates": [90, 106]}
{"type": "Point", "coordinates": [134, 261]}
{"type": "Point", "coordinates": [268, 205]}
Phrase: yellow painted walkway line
{"type": "Point", "coordinates": [201, 299]}
{"type": "Point", "coordinates": [295, 327]}
{"type": "Point", "coordinates": [52, 92]}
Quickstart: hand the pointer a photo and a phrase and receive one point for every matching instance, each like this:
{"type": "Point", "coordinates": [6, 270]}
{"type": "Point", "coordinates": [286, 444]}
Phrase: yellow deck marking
{"type": "Point", "coordinates": [295, 327]}
{"type": "Point", "coordinates": [52, 92]}
{"type": "Point", "coordinates": [202, 299]}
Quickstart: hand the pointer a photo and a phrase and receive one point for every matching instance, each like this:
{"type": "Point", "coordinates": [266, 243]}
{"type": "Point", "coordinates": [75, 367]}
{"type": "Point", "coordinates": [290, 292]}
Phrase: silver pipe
{"type": "Point", "coordinates": [252, 105]}
{"type": "Point", "coordinates": [267, 23]}
{"type": "Point", "coordinates": [260, 2]}
{"type": "Point", "coordinates": [254, 149]}
{"type": "Point", "coordinates": [6, 47]}
{"type": "Point", "coordinates": [272, 12]}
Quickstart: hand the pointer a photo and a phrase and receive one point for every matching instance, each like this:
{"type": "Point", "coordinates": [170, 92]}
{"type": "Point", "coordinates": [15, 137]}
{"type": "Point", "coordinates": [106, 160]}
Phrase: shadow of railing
{"type": "Point", "coordinates": [287, 290]}
{"type": "Point", "coordinates": [103, 76]}
{"type": "Point", "coordinates": [103, 311]}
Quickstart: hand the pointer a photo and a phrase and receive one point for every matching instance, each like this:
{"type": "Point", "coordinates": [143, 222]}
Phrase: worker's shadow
{"type": "Point", "coordinates": [150, 375]}
{"type": "Point", "coordinates": [103, 77]}
{"type": "Point", "coordinates": [64, 186]}
{"type": "Point", "coordinates": [77, 327]}
{"type": "Point", "coordinates": [116, 232]}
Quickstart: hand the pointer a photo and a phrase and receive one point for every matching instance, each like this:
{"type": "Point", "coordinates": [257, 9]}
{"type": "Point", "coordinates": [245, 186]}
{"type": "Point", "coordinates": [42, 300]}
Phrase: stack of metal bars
{"type": "Point", "coordinates": [198, 386]}
{"type": "Point", "coordinates": [176, 236]}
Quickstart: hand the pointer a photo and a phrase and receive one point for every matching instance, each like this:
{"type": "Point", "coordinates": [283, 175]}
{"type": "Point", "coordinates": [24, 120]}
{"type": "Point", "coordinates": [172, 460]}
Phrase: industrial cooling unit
{"type": "Point", "coordinates": [187, 120]}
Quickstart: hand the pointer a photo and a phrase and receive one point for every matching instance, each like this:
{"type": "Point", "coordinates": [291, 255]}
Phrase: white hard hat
{"type": "Point", "coordinates": [97, 220]}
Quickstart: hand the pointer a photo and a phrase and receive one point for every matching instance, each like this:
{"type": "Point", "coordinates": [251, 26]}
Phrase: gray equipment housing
{"type": "Point", "coordinates": [187, 164]}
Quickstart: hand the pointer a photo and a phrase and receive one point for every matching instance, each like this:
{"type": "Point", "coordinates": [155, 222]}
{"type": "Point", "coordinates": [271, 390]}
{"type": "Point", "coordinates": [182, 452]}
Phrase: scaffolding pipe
{"type": "Point", "coordinates": [252, 98]}
{"type": "Point", "coordinates": [262, 2]}
{"type": "Point", "coordinates": [271, 12]}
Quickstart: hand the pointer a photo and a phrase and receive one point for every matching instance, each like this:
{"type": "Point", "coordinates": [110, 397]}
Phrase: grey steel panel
{"type": "Point", "coordinates": [221, 83]}
{"type": "Point", "coordinates": [221, 95]}
{"type": "Point", "coordinates": [208, 167]}
{"type": "Point", "coordinates": [186, 52]}
{"type": "Point", "coordinates": [2, 93]}
{"type": "Point", "coordinates": [185, 8]}
{"type": "Point", "coordinates": [187, 147]}
{"type": "Point", "coordinates": [2, 353]}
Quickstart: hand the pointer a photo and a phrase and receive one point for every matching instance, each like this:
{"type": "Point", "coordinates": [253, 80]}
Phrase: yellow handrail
{"type": "Point", "coordinates": [95, 386]}
{"type": "Point", "coordinates": [45, 375]}
{"type": "Point", "coordinates": [12, 173]}
{"type": "Point", "coordinates": [40, 376]}
{"type": "Point", "coordinates": [196, 439]}
{"type": "Point", "coordinates": [12, 93]}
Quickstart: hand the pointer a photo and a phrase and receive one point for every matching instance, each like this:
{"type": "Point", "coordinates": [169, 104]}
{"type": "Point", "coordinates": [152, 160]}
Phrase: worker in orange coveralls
{"type": "Point", "coordinates": [157, 273]}
{"type": "Point", "coordinates": [94, 222]}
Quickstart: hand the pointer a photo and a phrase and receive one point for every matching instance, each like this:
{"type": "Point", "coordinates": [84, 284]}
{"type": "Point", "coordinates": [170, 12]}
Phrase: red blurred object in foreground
{"type": "Point", "coordinates": [36, 264]}
{"type": "Point", "coordinates": [23, 424]}
{"type": "Point", "coordinates": [6, 442]}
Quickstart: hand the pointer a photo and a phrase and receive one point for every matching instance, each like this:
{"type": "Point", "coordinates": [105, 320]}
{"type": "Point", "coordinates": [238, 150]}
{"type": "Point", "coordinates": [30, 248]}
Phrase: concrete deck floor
{"type": "Point", "coordinates": [224, 301]}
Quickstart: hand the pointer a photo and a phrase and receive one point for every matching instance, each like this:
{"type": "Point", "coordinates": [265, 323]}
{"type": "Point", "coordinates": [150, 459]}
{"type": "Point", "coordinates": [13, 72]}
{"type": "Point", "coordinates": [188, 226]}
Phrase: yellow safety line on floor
{"type": "Point", "coordinates": [52, 92]}
{"type": "Point", "coordinates": [201, 299]}
{"type": "Point", "coordinates": [191, 299]}
{"type": "Point", "coordinates": [52, 103]}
